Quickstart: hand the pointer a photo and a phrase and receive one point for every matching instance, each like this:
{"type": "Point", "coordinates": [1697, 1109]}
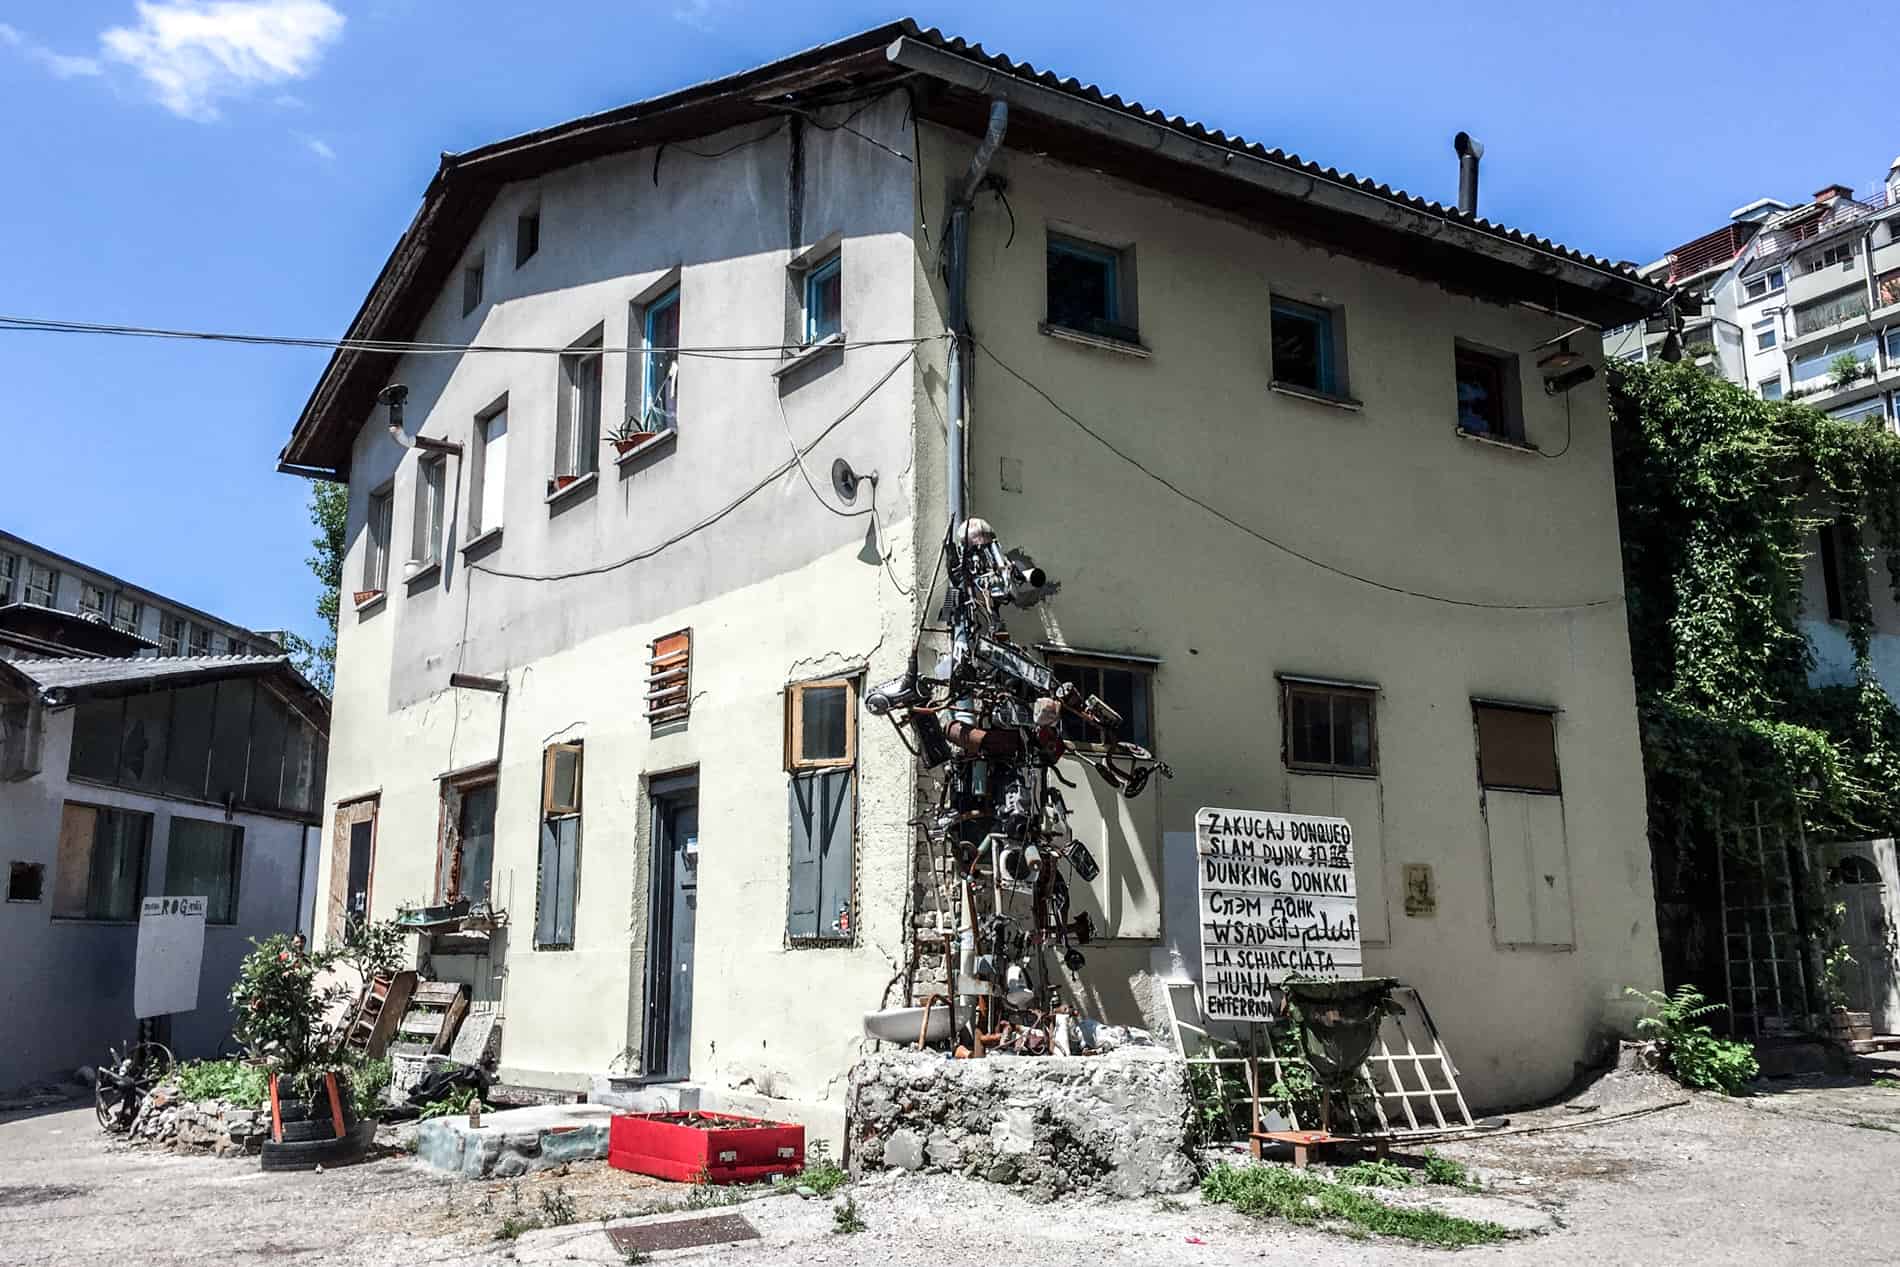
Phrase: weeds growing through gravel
{"type": "Point", "coordinates": [1277, 1192]}
{"type": "Point", "coordinates": [1448, 1172]}
{"type": "Point", "coordinates": [845, 1218]}
{"type": "Point", "coordinates": [1374, 1174]}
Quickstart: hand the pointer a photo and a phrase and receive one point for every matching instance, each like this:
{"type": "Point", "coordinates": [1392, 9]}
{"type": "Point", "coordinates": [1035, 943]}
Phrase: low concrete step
{"type": "Point", "coordinates": [514, 1141]}
{"type": "Point", "coordinates": [631, 1095]}
{"type": "Point", "coordinates": [1879, 1042]}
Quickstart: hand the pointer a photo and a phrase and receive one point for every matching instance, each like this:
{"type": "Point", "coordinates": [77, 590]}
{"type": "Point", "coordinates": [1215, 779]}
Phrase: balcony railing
{"type": "Point", "coordinates": [1830, 312]}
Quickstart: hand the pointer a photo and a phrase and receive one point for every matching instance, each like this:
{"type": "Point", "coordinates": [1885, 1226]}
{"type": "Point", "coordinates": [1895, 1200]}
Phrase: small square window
{"type": "Point", "coordinates": [1487, 396]}
{"type": "Point", "coordinates": [562, 779]}
{"type": "Point", "coordinates": [1517, 748]}
{"type": "Point", "coordinates": [527, 236]}
{"type": "Point", "coordinates": [1086, 290]}
{"type": "Point", "coordinates": [824, 299]}
{"type": "Point", "coordinates": [1329, 729]}
{"type": "Point", "coordinates": [26, 881]}
{"type": "Point", "coordinates": [1127, 688]}
{"type": "Point", "coordinates": [1306, 347]}
{"type": "Point", "coordinates": [1764, 334]}
{"type": "Point", "coordinates": [471, 287]}
{"type": "Point", "coordinates": [821, 724]}
{"type": "Point", "coordinates": [1770, 388]}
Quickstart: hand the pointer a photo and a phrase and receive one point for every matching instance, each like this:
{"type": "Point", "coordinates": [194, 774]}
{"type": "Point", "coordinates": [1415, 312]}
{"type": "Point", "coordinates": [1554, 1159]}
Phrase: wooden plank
{"type": "Point", "coordinates": [451, 1023]}
{"type": "Point", "coordinates": [435, 993]}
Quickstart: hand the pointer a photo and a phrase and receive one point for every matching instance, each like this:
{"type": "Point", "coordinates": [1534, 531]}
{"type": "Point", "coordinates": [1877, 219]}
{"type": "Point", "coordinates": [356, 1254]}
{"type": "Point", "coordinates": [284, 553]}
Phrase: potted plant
{"type": "Point", "coordinates": [629, 436]}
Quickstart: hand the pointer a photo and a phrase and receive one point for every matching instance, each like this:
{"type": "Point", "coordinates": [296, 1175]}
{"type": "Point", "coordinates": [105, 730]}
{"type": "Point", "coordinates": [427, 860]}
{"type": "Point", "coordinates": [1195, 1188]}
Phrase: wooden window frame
{"type": "Point", "coordinates": [1477, 739]}
{"type": "Point", "coordinates": [1289, 687]}
{"type": "Point", "coordinates": [1144, 669]}
{"type": "Point", "coordinates": [448, 858]}
{"type": "Point", "coordinates": [1509, 428]}
{"type": "Point", "coordinates": [795, 725]}
{"type": "Point", "coordinates": [548, 808]}
{"type": "Point", "coordinates": [143, 885]}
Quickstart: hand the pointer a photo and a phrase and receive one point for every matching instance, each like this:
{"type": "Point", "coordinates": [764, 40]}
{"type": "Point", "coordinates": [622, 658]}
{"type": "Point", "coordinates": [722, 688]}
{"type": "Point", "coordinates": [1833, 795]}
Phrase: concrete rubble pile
{"type": "Point", "coordinates": [1115, 1124]}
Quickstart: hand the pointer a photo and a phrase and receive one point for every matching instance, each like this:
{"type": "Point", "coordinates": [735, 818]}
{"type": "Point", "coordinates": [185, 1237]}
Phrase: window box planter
{"type": "Point", "coordinates": [627, 442]}
{"type": "Point", "coordinates": [704, 1147]}
{"type": "Point", "coordinates": [558, 482]}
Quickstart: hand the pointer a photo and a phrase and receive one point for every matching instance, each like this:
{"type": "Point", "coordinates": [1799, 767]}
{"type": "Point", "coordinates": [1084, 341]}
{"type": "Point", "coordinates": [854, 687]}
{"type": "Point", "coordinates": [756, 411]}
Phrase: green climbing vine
{"type": "Point", "coordinates": [1718, 493]}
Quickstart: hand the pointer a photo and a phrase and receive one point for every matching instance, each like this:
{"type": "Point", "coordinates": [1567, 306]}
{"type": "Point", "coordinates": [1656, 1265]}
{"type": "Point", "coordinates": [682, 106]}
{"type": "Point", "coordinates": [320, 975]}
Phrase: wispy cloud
{"type": "Point", "coordinates": [60, 65]}
{"type": "Point", "coordinates": [194, 54]}
{"type": "Point", "coordinates": [698, 14]}
{"type": "Point", "coordinates": [316, 145]}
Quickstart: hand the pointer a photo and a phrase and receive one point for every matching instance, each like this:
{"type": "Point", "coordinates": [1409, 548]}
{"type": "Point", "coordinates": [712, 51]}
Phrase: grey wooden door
{"type": "Point", "coordinates": [673, 917]}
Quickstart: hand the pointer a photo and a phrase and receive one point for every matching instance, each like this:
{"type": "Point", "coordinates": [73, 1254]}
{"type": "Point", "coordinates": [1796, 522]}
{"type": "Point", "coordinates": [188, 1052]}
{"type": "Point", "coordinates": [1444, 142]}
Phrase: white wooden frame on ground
{"type": "Point", "coordinates": [1408, 1065]}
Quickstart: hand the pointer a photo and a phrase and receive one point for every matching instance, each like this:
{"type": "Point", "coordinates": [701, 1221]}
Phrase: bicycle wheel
{"type": "Point", "coordinates": [154, 1064]}
{"type": "Point", "coordinates": [106, 1099]}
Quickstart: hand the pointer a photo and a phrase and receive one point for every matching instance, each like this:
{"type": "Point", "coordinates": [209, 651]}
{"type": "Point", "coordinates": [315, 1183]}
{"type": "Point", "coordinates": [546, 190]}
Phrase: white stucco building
{"type": "Point", "coordinates": [1280, 434]}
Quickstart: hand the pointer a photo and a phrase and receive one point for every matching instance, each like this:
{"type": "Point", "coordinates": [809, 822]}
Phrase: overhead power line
{"type": "Point", "coordinates": [1261, 537]}
{"type": "Point", "coordinates": [409, 347]}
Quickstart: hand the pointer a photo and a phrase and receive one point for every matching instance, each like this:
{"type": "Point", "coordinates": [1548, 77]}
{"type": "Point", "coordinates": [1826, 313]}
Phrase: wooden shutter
{"type": "Point", "coordinates": [1517, 748]}
{"type": "Point", "coordinates": [670, 677]}
{"type": "Point", "coordinates": [546, 887]}
{"type": "Point", "coordinates": [567, 836]}
{"type": "Point", "coordinates": [823, 838]}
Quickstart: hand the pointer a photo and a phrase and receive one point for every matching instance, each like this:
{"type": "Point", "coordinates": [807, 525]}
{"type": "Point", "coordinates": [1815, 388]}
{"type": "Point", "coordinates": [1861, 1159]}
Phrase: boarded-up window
{"type": "Point", "coordinates": [823, 822]}
{"type": "Point", "coordinates": [558, 879]}
{"type": "Point", "coordinates": [670, 677]}
{"type": "Point", "coordinates": [1517, 748]}
{"type": "Point", "coordinates": [102, 856]}
{"type": "Point", "coordinates": [202, 859]}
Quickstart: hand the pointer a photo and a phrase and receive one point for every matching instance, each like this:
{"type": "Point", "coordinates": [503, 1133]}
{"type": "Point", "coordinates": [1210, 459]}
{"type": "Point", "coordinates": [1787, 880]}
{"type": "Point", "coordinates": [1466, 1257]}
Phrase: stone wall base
{"type": "Point", "coordinates": [1115, 1123]}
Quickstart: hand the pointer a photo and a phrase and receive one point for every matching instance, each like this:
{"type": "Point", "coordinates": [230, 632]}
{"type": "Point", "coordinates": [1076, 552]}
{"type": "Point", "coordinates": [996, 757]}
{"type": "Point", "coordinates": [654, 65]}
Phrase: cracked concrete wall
{"type": "Point", "coordinates": [776, 591]}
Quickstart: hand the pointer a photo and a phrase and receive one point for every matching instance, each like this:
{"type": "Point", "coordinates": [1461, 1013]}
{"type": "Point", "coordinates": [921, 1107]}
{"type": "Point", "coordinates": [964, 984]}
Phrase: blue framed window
{"type": "Point", "coordinates": [659, 392]}
{"type": "Point", "coordinates": [1765, 334]}
{"type": "Point", "coordinates": [824, 300]}
{"type": "Point", "coordinates": [1085, 288]}
{"type": "Point", "coordinates": [1305, 347]}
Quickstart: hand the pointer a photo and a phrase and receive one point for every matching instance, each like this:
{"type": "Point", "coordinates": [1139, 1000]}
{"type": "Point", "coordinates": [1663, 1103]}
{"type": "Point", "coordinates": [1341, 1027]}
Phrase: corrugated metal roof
{"type": "Point", "coordinates": [1240, 144]}
{"type": "Point", "coordinates": [59, 682]}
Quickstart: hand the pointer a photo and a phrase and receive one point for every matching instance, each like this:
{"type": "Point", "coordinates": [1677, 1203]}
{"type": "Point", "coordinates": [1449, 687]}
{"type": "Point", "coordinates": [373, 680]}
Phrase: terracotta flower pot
{"type": "Point", "coordinates": [624, 445]}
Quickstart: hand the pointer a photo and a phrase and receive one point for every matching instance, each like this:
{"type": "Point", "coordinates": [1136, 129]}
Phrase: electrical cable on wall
{"type": "Point", "coordinates": [717, 515]}
{"type": "Point", "coordinates": [734, 352]}
{"type": "Point", "coordinates": [1303, 557]}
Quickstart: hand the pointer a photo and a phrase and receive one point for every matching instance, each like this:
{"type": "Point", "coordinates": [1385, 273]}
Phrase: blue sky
{"type": "Point", "coordinates": [247, 166]}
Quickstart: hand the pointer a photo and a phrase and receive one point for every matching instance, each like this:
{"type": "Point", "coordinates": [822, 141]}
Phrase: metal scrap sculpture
{"type": "Point", "coordinates": [990, 717]}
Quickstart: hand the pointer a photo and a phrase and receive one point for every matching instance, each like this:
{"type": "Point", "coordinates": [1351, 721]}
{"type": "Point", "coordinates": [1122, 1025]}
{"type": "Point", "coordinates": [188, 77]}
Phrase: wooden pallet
{"type": "Point", "coordinates": [384, 1000]}
{"type": "Point", "coordinates": [434, 1015]}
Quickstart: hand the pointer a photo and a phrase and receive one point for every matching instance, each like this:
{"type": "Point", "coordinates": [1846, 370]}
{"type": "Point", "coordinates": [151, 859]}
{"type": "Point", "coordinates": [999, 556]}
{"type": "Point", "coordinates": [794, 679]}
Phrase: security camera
{"type": "Point", "coordinates": [1558, 384]}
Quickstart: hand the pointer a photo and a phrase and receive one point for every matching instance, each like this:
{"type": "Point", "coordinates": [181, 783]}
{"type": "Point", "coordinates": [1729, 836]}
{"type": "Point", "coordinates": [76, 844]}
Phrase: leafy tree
{"type": "Point", "coordinates": [329, 507]}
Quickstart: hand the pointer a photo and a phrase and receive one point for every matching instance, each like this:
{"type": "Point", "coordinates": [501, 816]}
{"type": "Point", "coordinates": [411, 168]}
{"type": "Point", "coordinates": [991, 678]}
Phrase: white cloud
{"type": "Point", "coordinates": [698, 14]}
{"type": "Point", "coordinates": [194, 54]}
{"type": "Point", "coordinates": [60, 65]}
{"type": "Point", "coordinates": [316, 145]}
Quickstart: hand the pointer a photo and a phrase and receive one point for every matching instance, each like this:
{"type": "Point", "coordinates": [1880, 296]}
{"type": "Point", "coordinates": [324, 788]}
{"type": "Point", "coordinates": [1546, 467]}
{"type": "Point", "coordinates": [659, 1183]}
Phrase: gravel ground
{"type": "Point", "coordinates": [1801, 1174]}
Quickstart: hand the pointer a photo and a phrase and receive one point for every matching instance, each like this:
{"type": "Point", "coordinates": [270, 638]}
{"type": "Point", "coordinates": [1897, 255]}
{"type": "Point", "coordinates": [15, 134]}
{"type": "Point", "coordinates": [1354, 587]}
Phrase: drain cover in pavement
{"type": "Point", "coordinates": [717, 1229]}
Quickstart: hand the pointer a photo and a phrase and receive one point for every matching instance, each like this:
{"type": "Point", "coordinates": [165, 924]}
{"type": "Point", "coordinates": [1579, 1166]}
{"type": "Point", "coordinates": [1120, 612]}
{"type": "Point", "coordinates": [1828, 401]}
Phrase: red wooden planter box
{"type": "Point", "coordinates": [723, 1148]}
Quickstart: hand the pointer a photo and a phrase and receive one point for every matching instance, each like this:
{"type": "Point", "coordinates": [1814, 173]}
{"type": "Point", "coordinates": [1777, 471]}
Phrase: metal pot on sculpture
{"type": "Point", "coordinates": [1339, 1022]}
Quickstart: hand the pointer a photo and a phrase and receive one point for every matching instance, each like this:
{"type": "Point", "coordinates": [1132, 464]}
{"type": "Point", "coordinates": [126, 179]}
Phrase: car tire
{"type": "Point", "coordinates": [310, 1154]}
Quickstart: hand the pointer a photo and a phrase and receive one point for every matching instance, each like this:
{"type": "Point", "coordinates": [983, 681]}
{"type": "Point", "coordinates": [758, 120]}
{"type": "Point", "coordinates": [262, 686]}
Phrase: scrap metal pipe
{"type": "Point", "coordinates": [957, 276]}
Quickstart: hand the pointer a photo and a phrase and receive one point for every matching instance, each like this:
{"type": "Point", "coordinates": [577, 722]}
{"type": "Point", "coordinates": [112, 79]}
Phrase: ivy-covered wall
{"type": "Point", "coordinates": [1716, 492]}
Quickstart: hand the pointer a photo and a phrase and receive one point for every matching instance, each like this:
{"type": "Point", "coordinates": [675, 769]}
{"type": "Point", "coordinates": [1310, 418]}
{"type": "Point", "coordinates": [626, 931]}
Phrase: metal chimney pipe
{"type": "Point", "coordinates": [1469, 152]}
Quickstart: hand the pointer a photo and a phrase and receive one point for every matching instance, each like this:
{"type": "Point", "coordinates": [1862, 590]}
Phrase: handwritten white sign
{"type": "Point", "coordinates": [1278, 900]}
{"type": "Point", "coordinates": [170, 955]}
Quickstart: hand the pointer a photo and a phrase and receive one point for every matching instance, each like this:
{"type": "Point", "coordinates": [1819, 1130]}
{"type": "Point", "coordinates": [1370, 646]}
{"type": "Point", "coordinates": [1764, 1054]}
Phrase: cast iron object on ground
{"type": "Point", "coordinates": [1114, 1123]}
{"type": "Point", "coordinates": [717, 1229]}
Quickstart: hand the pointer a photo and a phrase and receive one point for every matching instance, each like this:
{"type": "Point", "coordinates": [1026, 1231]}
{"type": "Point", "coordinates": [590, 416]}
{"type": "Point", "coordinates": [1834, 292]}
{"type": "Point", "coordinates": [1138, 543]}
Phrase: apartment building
{"type": "Point", "coordinates": [35, 580]}
{"type": "Point", "coordinates": [1798, 302]}
{"type": "Point", "coordinates": [1276, 432]}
